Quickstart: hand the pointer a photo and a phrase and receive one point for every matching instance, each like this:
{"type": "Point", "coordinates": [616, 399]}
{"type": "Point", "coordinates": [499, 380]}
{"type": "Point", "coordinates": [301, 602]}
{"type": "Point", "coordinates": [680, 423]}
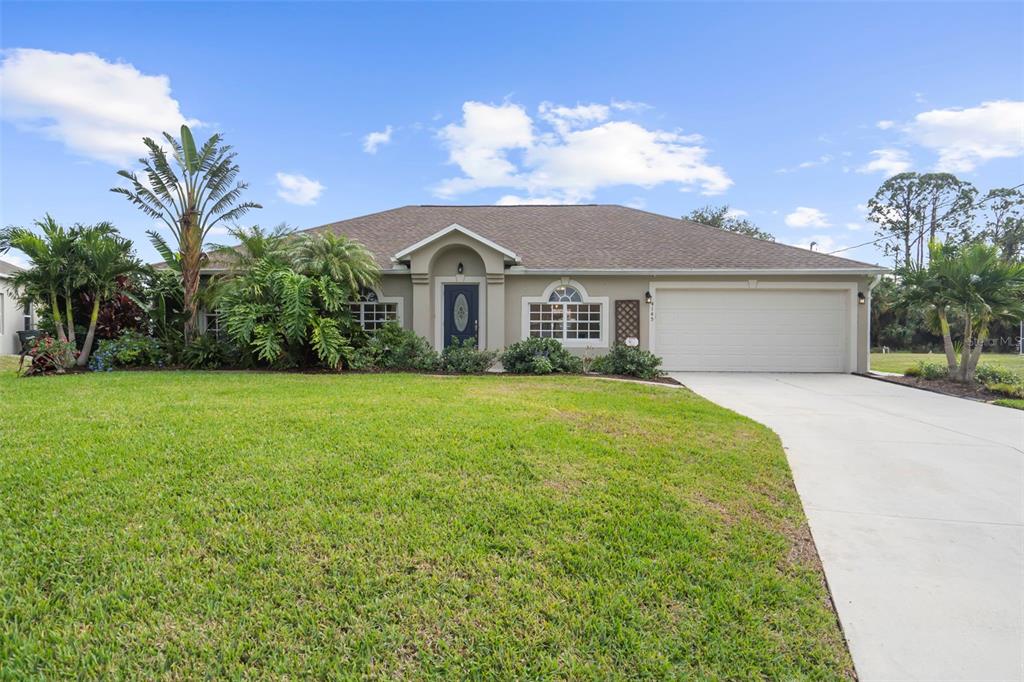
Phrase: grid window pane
{"type": "Point", "coordinates": [372, 315]}
{"type": "Point", "coordinates": [564, 321]}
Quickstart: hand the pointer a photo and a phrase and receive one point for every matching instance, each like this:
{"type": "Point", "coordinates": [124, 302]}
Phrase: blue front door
{"type": "Point", "coordinates": [461, 312]}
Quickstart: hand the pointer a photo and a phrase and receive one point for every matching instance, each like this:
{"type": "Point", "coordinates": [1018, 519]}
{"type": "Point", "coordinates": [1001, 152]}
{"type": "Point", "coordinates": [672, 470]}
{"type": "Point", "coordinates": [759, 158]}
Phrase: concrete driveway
{"type": "Point", "coordinates": [916, 503]}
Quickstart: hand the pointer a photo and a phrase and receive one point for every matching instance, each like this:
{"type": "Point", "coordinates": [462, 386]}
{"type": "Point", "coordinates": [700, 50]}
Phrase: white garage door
{"type": "Point", "coordinates": [752, 330]}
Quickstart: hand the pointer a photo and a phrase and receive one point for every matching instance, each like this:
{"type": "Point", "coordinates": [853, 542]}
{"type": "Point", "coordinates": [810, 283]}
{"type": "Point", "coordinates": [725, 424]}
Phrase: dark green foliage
{"type": "Point", "coordinates": [633, 362]}
{"type": "Point", "coordinates": [465, 358]}
{"type": "Point", "coordinates": [520, 358]}
{"type": "Point", "coordinates": [989, 374]}
{"type": "Point", "coordinates": [206, 352]}
{"type": "Point", "coordinates": [392, 347]}
{"type": "Point", "coordinates": [724, 219]}
{"type": "Point", "coordinates": [928, 370]}
{"type": "Point", "coordinates": [131, 349]}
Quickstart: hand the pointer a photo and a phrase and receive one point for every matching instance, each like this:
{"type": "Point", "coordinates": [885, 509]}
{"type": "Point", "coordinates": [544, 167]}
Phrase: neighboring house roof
{"type": "Point", "coordinates": [8, 268]}
{"type": "Point", "coordinates": [584, 237]}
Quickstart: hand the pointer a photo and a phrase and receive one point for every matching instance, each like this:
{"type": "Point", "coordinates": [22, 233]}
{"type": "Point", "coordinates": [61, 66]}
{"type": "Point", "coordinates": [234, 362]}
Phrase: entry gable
{"type": "Point", "coordinates": [455, 227]}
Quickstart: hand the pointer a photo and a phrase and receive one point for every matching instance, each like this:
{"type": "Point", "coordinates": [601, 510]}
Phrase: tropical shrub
{"type": "Point", "coordinates": [205, 352]}
{"type": "Point", "coordinates": [286, 318]}
{"type": "Point", "coordinates": [47, 355]}
{"type": "Point", "coordinates": [131, 349]}
{"type": "Point", "coordinates": [519, 358]}
{"type": "Point", "coordinates": [392, 347]}
{"type": "Point", "coordinates": [628, 361]}
{"type": "Point", "coordinates": [927, 370]}
{"type": "Point", "coordinates": [987, 374]}
{"type": "Point", "coordinates": [465, 358]}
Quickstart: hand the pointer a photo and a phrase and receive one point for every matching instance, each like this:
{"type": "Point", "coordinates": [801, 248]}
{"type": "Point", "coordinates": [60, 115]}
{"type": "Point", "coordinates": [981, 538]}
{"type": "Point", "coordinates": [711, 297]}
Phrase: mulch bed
{"type": "Point", "coordinates": [945, 386]}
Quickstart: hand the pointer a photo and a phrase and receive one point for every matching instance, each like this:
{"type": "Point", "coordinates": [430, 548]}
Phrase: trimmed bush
{"type": "Point", "coordinates": [521, 358]}
{"type": "Point", "coordinates": [392, 347]}
{"type": "Point", "coordinates": [465, 358]}
{"type": "Point", "coordinates": [987, 374]}
{"type": "Point", "coordinates": [627, 361]}
{"type": "Point", "coordinates": [131, 349]}
{"type": "Point", "coordinates": [927, 370]}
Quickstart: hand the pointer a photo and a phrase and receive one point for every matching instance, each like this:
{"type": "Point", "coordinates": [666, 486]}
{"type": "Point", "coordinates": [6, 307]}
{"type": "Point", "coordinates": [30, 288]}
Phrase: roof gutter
{"type": "Point", "coordinates": [647, 272]}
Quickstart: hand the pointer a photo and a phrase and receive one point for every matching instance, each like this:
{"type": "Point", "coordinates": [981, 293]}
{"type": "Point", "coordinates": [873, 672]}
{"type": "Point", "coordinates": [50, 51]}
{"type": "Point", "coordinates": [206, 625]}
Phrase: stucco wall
{"type": "Point", "coordinates": [11, 320]}
{"type": "Point", "coordinates": [634, 287]}
{"type": "Point", "coordinates": [398, 286]}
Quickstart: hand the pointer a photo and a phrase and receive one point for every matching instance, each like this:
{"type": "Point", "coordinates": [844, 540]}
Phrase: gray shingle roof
{"type": "Point", "coordinates": [8, 268]}
{"type": "Point", "coordinates": [585, 237]}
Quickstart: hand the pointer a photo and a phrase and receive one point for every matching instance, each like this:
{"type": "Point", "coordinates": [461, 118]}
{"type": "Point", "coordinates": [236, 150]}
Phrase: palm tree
{"type": "Point", "coordinates": [337, 258]}
{"type": "Point", "coordinates": [54, 272]}
{"type": "Point", "coordinates": [255, 244]}
{"type": "Point", "coordinates": [106, 256]}
{"type": "Point", "coordinates": [190, 199]}
{"type": "Point", "coordinates": [976, 285]}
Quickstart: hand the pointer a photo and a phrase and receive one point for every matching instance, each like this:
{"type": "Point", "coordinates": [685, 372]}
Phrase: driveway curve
{"type": "Point", "coordinates": [916, 503]}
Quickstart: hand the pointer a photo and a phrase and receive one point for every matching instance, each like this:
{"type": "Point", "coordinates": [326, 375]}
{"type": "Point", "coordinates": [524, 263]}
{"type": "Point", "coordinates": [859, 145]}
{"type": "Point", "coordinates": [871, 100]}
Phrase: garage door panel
{"type": "Point", "coordinates": [752, 330]}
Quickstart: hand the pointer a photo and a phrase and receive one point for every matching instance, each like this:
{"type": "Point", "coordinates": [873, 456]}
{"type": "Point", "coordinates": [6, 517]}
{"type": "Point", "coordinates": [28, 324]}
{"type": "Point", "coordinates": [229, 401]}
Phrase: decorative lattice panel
{"type": "Point", "coordinates": [627, 320]}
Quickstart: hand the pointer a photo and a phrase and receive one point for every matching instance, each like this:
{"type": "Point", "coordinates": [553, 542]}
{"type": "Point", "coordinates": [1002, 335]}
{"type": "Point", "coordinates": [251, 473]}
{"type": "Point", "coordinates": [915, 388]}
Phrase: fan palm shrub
{"type": "Point", "coordinates": [190, 196]}
{"type": "Point", "coordinates": [975, 287]}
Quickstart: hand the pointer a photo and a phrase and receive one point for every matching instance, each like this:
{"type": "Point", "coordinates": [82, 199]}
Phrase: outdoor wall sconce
{"type": "Point", "coordinates": [860, 298]}
{"type": "Point", "coordinates": [647, 298]}
{"type": "Point", "coordinates": [460, 268]}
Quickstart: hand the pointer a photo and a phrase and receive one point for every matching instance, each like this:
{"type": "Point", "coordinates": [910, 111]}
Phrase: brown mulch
{"type": "Point", "coordinates": [945, 386]}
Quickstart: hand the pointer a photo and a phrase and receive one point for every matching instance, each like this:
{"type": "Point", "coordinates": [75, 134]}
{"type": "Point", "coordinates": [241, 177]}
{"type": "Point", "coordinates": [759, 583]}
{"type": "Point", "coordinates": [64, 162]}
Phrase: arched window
{"type": "Point", "coordinates": [372, 312]}
{"type": "Point", "coordinates": [567, 314]}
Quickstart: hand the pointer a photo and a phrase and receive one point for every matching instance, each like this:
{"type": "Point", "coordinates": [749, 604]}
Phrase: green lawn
{"type": "Point", "coordinates": [897, 362]}
{"type": "Point", "coordinates": [222, 524]}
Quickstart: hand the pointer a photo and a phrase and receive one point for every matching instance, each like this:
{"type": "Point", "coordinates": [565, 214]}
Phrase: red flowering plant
{"type": "Point", "coordinates": [47, 355]}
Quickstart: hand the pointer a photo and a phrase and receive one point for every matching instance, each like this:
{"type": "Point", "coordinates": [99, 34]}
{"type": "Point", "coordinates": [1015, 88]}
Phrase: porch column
{"type": "Point", "coordinates": [495, 311]}
{"type": "Point", "coordinates": [422, 307]}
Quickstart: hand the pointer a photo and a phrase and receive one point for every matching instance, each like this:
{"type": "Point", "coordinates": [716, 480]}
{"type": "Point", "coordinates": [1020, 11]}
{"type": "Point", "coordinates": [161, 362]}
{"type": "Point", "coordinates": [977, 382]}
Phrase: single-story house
{"type": "Point", "coordinates": [13, 317]}
{"type": "Point", "coordinates": [593, 275]}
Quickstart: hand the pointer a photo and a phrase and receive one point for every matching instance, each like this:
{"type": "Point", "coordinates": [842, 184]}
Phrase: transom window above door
{"type": "Point", "coordinates": [567, 314]}
{"type": "Point", "coordinates": [372, 311]}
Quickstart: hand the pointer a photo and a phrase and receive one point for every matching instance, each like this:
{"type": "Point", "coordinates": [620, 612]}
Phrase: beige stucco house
{"type": "Point", "coordinates": [593, 275]}
{"type": "Point", "coordinates": [13, 317]}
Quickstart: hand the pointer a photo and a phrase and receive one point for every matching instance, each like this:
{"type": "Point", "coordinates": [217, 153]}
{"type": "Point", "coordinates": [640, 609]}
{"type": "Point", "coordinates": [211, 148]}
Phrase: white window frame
{"type": "Point", "coordinates": [397, 300]}
{"type": "Point", "coordinates": [218, 330]}
{"type": "Point", "coordinates": [28, 317]}
{"type": "Point", "coordinates": [600, 342]}
{"type": "Point", "coordinates": [3, 300]}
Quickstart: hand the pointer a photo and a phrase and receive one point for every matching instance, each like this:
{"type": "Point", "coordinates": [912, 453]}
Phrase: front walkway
{"type": "Point", "coordinates": [916, 503]}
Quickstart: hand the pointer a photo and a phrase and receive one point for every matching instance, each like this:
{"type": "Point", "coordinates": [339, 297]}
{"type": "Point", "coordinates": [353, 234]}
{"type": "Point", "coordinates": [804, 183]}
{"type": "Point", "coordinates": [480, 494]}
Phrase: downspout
{"type": "Point", "coordinates": [874, 283]}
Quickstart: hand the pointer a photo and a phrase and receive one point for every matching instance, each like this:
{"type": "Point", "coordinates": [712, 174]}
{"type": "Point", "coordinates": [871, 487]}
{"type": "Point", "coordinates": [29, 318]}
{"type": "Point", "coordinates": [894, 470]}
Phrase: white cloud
{"type": "Point", "coordinates": [887, 161]}
{"type": "Point", "coordinates": [736, 213]}
{"type": "Point", "coordinates": [628, 105]}
{"type": "Point", "coordinates": [854, 226]}
{"type": "Point", "coordinates": [375, 139]}
{"type": "Point", "coordinates": [298, 189]}
{"type": "Point", "coordinates": [820, 161]}
{"type": "Point", "coordinates": [515, 200]}
{"type": "Point", "coordinates": [885, 125]}
{"type": "Point", "coordinates": [96, 108]}
{"type": "Point", "coordinates": [823, 243]}
{"type": "Point", "coordinates": [965, 138]}
{"type": "Point", "coordinates": [804, 216]}
{"type": "Point", "coordinates": [569, 153]}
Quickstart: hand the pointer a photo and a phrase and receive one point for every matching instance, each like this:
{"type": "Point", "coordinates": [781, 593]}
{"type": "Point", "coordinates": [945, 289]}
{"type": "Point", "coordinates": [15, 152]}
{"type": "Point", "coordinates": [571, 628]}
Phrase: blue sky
{"type": "Point", "coordinates": [793, 113]}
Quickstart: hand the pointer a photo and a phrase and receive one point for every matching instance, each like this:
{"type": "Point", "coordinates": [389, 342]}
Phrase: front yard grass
{"type": "Point", "coordinates": [899, 361]}
{"type": "Point", "coordinates": [231, 524]}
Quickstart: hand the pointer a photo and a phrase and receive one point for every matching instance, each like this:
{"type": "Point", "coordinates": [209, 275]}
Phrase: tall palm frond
{"type": "Point", "coordinates": [338, 258]}
{"type": "Point", "coordinates": [190, 191]}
